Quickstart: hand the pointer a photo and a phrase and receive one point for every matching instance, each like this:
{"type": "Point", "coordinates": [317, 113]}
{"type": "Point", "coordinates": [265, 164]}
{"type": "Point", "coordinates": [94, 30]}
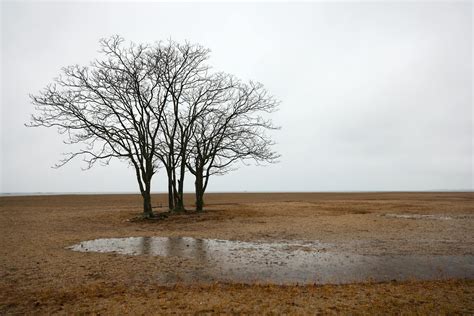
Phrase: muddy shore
{"type": "Point", "coordinates": [39, 275]}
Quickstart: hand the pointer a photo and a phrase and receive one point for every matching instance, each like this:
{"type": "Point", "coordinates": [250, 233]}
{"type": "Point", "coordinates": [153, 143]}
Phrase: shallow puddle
{"type": "Point", "coordinates": [420, 216]}
{"type": "Point", "coordinates": [281, 262]}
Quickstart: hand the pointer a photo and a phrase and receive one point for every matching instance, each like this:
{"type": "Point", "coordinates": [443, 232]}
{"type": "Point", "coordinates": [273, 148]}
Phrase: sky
{"type": "Point", "coordinates": [375, 96]}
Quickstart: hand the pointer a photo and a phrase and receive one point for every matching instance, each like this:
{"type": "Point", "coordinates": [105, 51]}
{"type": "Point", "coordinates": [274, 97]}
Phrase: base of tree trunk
{"type": "Point", "coordinates": [178, 210]}
{"type": "Point", "coordinates": [154, 217]}
{"type": "Point", "coordinates": [148, 215]}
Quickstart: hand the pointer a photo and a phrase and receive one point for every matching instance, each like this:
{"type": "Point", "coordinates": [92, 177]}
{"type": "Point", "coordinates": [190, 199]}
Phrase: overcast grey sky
{"type": "Point", "coordinates": [374, 96]}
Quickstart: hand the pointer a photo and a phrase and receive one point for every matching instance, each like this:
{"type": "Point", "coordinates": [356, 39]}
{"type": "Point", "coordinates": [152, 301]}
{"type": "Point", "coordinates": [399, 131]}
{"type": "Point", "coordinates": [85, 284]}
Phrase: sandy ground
{"type": "Point", "coordinates": [38, 275]}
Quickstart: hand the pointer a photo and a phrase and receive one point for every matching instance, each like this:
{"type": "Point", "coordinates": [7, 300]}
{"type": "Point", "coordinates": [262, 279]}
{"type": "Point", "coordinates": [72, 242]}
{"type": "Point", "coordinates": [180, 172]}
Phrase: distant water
{"type": "Point", "coordinates": [66, 193]}
{"type": "Point", "coordinates": [165, 192]}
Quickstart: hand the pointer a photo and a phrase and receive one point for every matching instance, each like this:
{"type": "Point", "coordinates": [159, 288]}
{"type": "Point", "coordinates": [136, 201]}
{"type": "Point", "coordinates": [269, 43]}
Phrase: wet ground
{"type": "Point", "coordinates": [283, 262]}
{"type": "Point", "coordinates": [424, 216]}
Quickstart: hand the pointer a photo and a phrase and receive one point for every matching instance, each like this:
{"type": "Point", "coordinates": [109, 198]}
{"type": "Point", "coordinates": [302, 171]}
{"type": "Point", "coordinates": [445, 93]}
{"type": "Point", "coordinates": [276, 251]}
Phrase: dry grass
{"type": "Point", "coordinates": [445, 297]}
{"type": "Point", "coordinates": [39, 276]}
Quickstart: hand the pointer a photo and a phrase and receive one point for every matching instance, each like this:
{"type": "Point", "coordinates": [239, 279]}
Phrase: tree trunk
{"type": "Point", "coordinates": [199, 191]}
{"type": "Point", "coordinates": [145, 187]}
{"type": "Point", "coordinates": [179, 206]}
{"type": "Point", "coordinates": [147, 210]}
{"type": "Point", "coordinates": [170, 190]}
{"type": "Point", "coordinates": [177, 199]}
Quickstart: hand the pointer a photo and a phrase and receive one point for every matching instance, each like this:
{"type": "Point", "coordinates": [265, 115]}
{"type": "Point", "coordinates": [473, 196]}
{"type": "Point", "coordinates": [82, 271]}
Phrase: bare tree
{"type": "Point", "coordinates": [114, 108]}
{"type": "Point", "coordinates": [158, 104]}
{"type": "Point", "coordinates": [184, 70]}
{"type": "Point", "coordinates": [230, 127]}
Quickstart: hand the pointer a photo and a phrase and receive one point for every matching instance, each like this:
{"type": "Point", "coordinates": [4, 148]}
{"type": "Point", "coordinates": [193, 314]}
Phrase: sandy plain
{"type": "Point", "coordinates": [38, 275]}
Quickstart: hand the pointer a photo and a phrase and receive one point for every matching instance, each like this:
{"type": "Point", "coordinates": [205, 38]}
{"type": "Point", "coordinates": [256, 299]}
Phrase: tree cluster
{"type": "Point", "coordinates": [159, 106]}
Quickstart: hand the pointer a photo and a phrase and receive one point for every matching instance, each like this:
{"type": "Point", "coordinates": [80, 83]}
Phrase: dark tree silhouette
{"type": "Point", "coordinates": [229, 128]}
{"type": "Point", "coordinates": [114, 108]}
{"type": "Point", "coordinates": [158, 104]}
{"type": "Point", "coordinates": [184, 70]}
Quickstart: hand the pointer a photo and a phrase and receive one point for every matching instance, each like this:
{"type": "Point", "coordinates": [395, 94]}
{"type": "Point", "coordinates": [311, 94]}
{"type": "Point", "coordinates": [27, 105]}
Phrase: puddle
{"type": "Point", "coordinates": [420, 216]}
{"type": "Point", "coordinates": [281, 262]}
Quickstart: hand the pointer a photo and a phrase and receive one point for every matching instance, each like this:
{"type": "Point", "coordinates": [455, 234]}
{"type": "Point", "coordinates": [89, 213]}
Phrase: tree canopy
{"type": "Point", "coordinates": [158, 105]}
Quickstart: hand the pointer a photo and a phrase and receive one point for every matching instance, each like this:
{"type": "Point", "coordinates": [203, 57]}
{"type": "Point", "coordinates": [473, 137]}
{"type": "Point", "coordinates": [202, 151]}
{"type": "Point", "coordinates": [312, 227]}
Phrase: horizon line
{"type": "Point", "coordinates": [227, 192]}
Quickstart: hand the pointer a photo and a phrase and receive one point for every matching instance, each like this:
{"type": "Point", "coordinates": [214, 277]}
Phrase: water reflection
{"type": "Point", "coordinates": [283, 262]}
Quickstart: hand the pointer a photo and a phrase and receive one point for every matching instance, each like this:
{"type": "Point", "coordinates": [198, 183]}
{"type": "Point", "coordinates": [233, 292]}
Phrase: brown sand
{"type": "Point", "coordinates": [38, 275]}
